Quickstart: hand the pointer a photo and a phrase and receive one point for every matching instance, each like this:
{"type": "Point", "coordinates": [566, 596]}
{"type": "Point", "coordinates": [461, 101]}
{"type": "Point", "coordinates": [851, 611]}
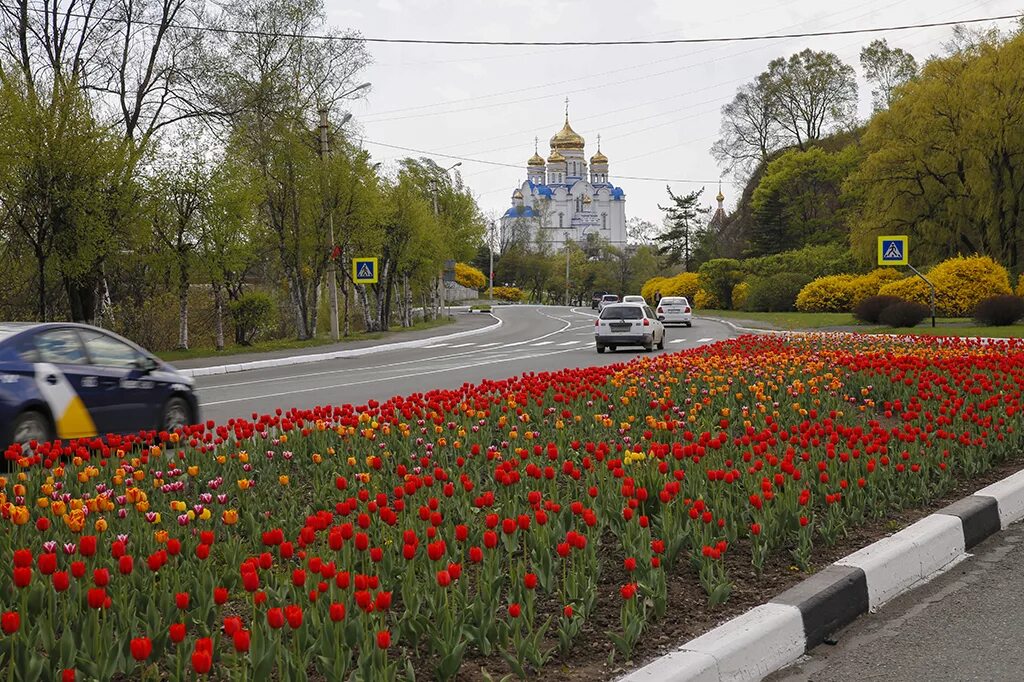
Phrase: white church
{"type": "Point", "coordinates": [558, 202]}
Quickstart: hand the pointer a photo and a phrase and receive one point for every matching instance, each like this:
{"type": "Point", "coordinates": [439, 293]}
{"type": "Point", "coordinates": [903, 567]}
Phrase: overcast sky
{"type": "Point", "coordinates": [655, 107]}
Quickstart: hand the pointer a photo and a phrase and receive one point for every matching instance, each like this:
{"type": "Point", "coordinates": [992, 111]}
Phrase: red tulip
{"type": "Point", "coordinates": [530, 581]}
{"type": "Point", "coordinates": [383, 639]}
{"type": "Point", "coordinates": [10, 622]}
{"type": "Point", "coordinates": [47, 563]}
{"type": "Point", "coordinates": [177, 632]}
{"type": "Point", "coordinates": [514, 610]}
{"type": "Point", "coordinates": [97, 597]}
{"type": "Point", "coordinates": [125, 565]}
{"type": "Point", "coordinates": [337, 612]}
{"type": "Point", "coordinates": [241, 641]}
{"type": "Point", "coordinates": [61, 581]}
{"type": "Point", "coordinates": [67, 675]}
{"type": "Point", "coordinates": [101, 577]}
{"type": "Point", "coordinates": [202, 661]}
{"type": "Point", "coordinates": [22, 576]}
{"type": "Point", "coordinates": [220, 595]}
{"type": "Point", "coordinates": [141, 648]}
{"type": "Point", "coordinates": [275, 618]}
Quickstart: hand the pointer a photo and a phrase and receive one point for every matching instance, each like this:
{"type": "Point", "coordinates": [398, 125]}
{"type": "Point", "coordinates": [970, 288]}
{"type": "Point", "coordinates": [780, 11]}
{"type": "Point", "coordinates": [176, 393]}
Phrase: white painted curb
{"type": "Point", "coordinates": [748, 647]}
{"type": "Point", "coordinates": [333, 355]}
{"type": "Point", "coordinates": [1009, 496]}
{"type": "Point", "coordinates": [894, 564]}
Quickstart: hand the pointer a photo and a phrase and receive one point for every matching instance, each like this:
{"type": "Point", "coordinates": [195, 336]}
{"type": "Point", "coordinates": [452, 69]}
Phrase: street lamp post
{"type": "Point", "coordinates": [565, 245]}
{"type": "Point", "coordinates": [433, 196]}
{"type": "Point", "coordinates": [490, 252]}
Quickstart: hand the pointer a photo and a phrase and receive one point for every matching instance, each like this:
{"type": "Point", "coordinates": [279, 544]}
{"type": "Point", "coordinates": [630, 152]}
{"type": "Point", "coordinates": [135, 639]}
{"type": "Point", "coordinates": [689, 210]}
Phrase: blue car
{"type": "Point", "coordinates": [62, 380]}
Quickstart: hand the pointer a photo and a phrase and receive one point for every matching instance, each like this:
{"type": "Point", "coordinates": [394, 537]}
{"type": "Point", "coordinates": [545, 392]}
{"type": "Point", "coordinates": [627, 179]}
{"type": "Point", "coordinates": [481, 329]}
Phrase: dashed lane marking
{"type": "Point", "coordinates": [705, 340]}
{"type": "Point", "coordinates": [463, 345]}
{"type": "Point", "coordinates": [568, 343]}
{"type": "Point", "coordinates": [437, 345]}
{"type": "Point", "coordinates": [542, 343]}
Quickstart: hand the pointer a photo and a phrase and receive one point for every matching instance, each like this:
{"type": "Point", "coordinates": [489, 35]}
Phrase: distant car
{"type": "Point", "coordinates": [607, 299]}
{"type": "Point", "coordinates": [60, 380]}
{"type": "Point", "coordinates": [628, 324]}
{"type": "Point", "coordinates": [675, 310]}
{"type": "Point", "coordinates": [634, 299]}
{"type": "Point", "coordinates": [596, 299]}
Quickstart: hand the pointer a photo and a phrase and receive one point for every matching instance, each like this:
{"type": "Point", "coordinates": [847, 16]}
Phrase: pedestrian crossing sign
{"type": "Point", "coordinates": [364, 270]}
{"type": "Point", "coordinates": [892, 250]}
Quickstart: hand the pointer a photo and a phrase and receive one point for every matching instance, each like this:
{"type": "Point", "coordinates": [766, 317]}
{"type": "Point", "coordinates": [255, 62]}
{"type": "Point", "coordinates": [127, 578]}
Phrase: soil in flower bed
{"type": "Point", "coordinates": [689, 615]}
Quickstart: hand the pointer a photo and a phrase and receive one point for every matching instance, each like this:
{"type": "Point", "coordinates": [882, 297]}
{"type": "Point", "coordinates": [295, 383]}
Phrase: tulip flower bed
{"type": "Point", "coordinates": [428, 534]}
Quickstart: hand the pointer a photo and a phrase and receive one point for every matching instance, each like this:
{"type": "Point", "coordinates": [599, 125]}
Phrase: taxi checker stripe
{"type": "Point", "coordinates": [70, 415]}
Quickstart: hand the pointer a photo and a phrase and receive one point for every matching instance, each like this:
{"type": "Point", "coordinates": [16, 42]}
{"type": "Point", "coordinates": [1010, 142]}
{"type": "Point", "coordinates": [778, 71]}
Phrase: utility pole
{"type": "Point", "coordinates": [490, 252]}
{"type": "Point", "coordinates": [566, 247]}
{"type": "Point", "coordinates": [332, 279]}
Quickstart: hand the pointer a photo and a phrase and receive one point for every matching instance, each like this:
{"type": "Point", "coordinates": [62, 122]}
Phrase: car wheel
{"type": "Point", "coordinates": [177, 413]}
{"type": "Point", "coordinates": [31, 425]}
{"type": "Point", "coordinates": [661, 343]}
{"type": "Point", "coordinates": [612, 348]}
{"type": "Point", "coordinates": [600, 348]}
{"type": "Point", "coordinates": [689, 324]}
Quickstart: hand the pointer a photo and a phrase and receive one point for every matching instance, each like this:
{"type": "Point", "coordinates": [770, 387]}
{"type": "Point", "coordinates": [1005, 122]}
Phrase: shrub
{"type": "Point", "coordinates": [829, 294]}
{"type": "Point", "coordinates": [651, 286]}
{"type": "Point", "coordinates": [999, 311]}
{"type": "Point", "coordinates": [718, 276]}
{"type": "Point", "coordinates": [1020, 285]}
{"type": "Point", "coordinates": [470, 277]}
{"type": "Point", "coordinates": [704, 300]}
{"type": "Point", "coordinates": [253, 314]}
{"type": "Point", "coordinates": [812, 260]}
{"type": "Point", "coordinates": [960, 283]}
{"type": "Point", "coordinates": [903, 314]}
{"type": "Point", "coordinates": [511, 294]}
{"type": "Point", "coordinates": [739, 295]}
{"type": "Point", "coordinates": [683, 284]}
{"type": "Point", "coordinates": [868, 285]}
{"type": "Point", "coordinates": [871, 308]}
{"type": "Point", "coordinates": [775, 294]}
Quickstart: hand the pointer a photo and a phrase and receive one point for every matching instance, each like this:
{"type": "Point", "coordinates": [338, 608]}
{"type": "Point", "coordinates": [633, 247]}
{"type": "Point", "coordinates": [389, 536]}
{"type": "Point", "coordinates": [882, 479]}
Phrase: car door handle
{"type": "Point", "coordinates": [51, 379]}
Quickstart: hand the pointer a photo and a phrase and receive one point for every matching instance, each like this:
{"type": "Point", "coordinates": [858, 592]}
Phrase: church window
{"type": "Point", "coordinates": [561, 217]}
{"type": "Point", "coordinates": [604, 221]}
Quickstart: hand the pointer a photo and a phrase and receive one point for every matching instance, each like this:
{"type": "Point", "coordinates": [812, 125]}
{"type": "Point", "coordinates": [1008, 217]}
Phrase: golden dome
{"type": "Point", "coordinates": [586, 199]}
{"type": "Point", "coordinates": [535, 160]}
{"type": "Point", "coordinates": [567, 138]}
{"type": "Point", "coordinates": [556, 157]}
{"type": "Point", "coordinates": [517, 194]}
{"type": "Point", "coordinates": [598, 158]}
{"type": "Point", "coordinates": [720, 197]}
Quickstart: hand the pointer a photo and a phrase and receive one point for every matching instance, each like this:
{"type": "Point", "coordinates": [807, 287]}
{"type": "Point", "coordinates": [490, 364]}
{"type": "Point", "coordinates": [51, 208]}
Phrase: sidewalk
{"type": "Point", "coordinates": [464, 324]}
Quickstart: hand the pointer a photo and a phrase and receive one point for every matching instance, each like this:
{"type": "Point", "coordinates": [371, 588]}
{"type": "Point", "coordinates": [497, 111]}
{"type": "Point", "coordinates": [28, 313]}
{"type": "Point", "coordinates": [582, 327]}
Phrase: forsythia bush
{"type": "Point", "coordinates": [960, 284]}
{"type": "Point", "coordinates": [739, 295]}
{"type": "Point", "coordinates": [651, 286]}
{"type": "Point", "coordinates": [509, 294]}
{"type": "Point", "coordinates": [470, 277]}
{"type": "Point", "coordinates": [704, 300]}
{"type": "Point", "coordinates": [683, 284]}
{"type": "Point", "coordinates": [1020, 285]}
{"type": "Point", "coordinates": [866, 286]}
{"type": "Point", "coordinates": [829, 294]}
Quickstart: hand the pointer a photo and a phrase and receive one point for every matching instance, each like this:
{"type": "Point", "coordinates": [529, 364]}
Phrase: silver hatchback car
{"type": "Point", "coordinates": [628, 324]}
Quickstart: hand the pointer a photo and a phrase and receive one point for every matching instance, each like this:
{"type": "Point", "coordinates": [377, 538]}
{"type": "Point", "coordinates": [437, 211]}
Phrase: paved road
{"type": "Point", "coordinates": [531, 338]}
{"type": "Point", "coordinates": [967, 624]}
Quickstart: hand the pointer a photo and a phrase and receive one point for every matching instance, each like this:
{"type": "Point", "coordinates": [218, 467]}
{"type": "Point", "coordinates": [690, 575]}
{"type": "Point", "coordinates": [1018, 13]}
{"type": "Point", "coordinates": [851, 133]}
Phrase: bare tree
{"type": "Point", "coordinates": [750, 129]}
{"type": "Point", "coordinates": [887, 68]}
{"type": "Point", "coordinates": [812, 94]}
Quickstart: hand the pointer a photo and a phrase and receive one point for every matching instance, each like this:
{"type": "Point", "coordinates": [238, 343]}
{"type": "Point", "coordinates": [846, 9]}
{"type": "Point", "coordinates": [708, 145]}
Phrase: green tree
{"type": "Point", "coordinates": [683, 220]}
{"type": "Point", "coordinates": [799, 200]}
{"type": "Point", "coordinates": [811, 94]}
{"type": "Point", "coordinates": [750, 129]}
{"type": "Point", "coordinates": [718, 277]}
{"type": "Point", "coordinates": [886, 68]}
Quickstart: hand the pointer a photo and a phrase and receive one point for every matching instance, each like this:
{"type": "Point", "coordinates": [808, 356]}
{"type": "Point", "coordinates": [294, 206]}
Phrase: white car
{"type": "Point", "coordinates": [634, 299]}
{"type": "Point", "coordinates": [675, 310]}
{"type": "Point", "coordinates": [607, 299]}
{"type": "Point", "coordinates": [628, 324]}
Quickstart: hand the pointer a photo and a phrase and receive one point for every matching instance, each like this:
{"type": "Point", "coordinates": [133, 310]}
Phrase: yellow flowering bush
{"type": "Point", "coordinates": [868, 285]}
{"type": "Point", "coordinates": [739, 295]}
{"type": "Point", "coordinates": [509, 293]}
{"type": "Point", "coordinates": [960, 283]}
{"type": "Point", "coordinates": [829, 294]}
{"type": "Point", "coordinates": [704, 300]}
{"type": "Point", "coordinates": [470, 277]}
{"type": "Point", "coordinates": [683, 284]}
{"type": "Point", "coordinates": [652, 286]}
{"type": "Point", "coordinates": [1020, 285]}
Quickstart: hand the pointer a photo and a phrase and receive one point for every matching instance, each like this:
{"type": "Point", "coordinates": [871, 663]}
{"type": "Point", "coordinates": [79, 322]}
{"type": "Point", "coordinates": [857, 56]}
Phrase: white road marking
{"type": "Point", "coordinates": [678, 341]}
{"type": "Point", "coordinates": [492, 343]}
{"type": "Point", "coordinates": [437, 345]}
{"type": "Point", "coordinates": [542, 343]}
{"type": "Point", "coordinates": [705, 340]}
{"type": "Point", "coordinates": [463, 345]}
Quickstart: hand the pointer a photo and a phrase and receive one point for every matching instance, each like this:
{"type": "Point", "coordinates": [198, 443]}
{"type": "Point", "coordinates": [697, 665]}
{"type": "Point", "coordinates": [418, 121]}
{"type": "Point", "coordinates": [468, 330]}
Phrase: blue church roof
{"type": "Point", "coordinates": [617, 193]}
{"type": "Point", "coordinates": [514, 212]}
{"type": "Point", "coordinates": [541, 189]}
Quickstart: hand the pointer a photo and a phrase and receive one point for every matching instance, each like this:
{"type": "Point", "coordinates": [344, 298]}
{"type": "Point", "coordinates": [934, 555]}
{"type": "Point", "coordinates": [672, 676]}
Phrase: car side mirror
{"type": "Point", "coordinates": [147, 364]}
{"type": "Point", "coordinates": [661, 318]}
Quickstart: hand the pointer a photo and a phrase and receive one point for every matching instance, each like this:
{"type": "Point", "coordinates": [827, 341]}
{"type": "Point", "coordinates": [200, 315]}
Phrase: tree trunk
{"type": "Point", "coordinates": [41, 262]}
{"type": "Point", "coordinates": [369, 323]}
{"type": "Point", "coordinates": [344, 293]}
{"type": "Point", "coordinates": [408, 302]}
{"type": "Point", "coordinates": [183, 309]}
{"type": "Point", "coordinates": [218, 316]}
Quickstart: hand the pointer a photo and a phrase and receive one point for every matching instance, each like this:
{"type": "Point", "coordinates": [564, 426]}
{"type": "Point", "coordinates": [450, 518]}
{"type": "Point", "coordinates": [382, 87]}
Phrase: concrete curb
{"type": "Point", "coordinates": [795, 332]}
{"type": "Point", "coordinates": [773, 635]}
{"type": "Point", "coordinates": [333, 355]}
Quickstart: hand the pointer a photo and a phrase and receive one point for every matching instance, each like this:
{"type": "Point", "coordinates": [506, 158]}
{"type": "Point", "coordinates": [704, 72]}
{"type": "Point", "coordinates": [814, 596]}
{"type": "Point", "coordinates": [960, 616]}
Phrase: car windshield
{"type": "Point", "coordinates": [610, 297]}
{"type": "Point", "coordinates": [633, 299]}
{"type": "Point", "coordinates": [626, 312]}
{"type": "Point", "coordinates": [673, 300]}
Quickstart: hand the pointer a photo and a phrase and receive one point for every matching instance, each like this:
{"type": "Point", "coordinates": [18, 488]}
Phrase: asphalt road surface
{"type": "Point", "coordinates": [531, 338]}
{"type": "Point", "coordinates": [967, 624]}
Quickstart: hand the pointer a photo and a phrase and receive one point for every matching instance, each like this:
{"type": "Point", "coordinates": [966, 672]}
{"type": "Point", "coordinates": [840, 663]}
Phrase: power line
{"type": "Point", "coordinates": [519, 166]}
{"type": "Point", "coordinates": [517, 43]}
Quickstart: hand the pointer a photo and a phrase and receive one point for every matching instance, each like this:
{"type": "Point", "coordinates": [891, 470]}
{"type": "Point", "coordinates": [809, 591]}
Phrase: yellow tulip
{"type": "Point", "coordinates": [243, 484]}
{"type": "Point", "coordinates": [282, 479]}
{"type": "Point", "coordinates": [193, 471]}
{"type": "Point", "coordinates": [20, 515]}
{"type": "Point", "coordinates": [229, 517]}
{"type": "Point", "coordinates": [100, 525]}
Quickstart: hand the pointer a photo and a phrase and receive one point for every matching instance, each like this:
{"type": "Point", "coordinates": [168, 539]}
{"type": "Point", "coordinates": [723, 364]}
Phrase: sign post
{"type": "Point", "coordinates": [448, 278]}
{"type": "Point", "coordinates": [895, 250]}
{"type": "Point", "coordinates": [364, 270]}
